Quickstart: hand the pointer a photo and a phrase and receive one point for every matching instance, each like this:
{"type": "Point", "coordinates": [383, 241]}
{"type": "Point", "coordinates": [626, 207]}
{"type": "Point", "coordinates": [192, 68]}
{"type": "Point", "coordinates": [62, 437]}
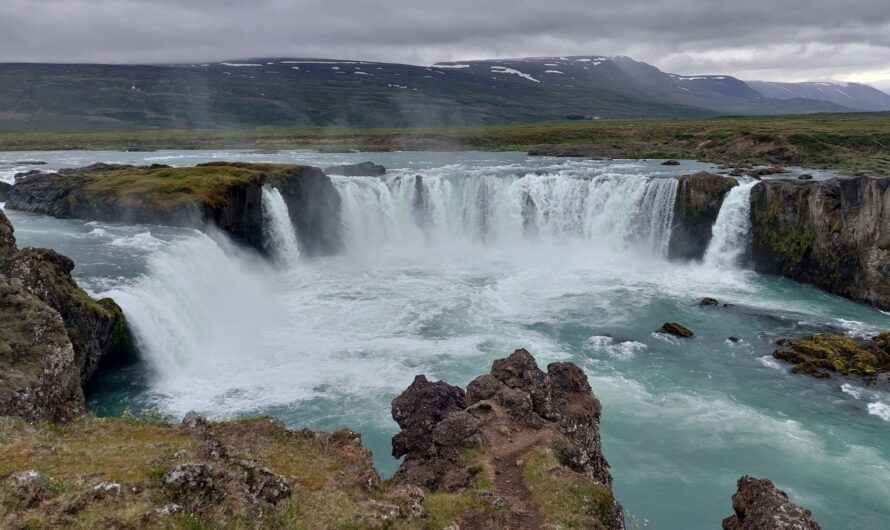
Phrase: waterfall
{"type": "Point", "coordinates": [729, 235]}
{"type": "Point", "coordinates": [280, 233]}
{"type": "Point", "coordinates": [608, 210]}
{"type": "Point", "coordinates": [195, 315]}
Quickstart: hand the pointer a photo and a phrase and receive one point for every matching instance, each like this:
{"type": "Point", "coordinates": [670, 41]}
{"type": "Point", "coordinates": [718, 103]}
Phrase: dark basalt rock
{"type": "Point", "coordinates": [96, 329]}
{"type": "Point", "coordinates": [314, 206]}
{"type": "Point", "coordinates": [440, 423]}
{"type": "Point", "coordinates": [805, 176]}
{"type": "Point", "coordinates": [833, 234]}
{"type": "Point", "coordinates": [671, 163]}
{"type": "Point", "coordinates": [53, 334]}
{"type": "Point", "coordinates": [362, 169]}
{"type": "Point", "coordinates": [698, 202]}
{"type": "Point", "coordinates": [705, 302]}
{"type": "Point", "coordinates": [677, 330]}
{"type": "Point", "coordinates": [4, 189]}
{"type": "Point", "coordinates": [39, 379]}
{"type": "Point", "coordinates": [759, 505]}
{"type": "Point", "coordinates": [7, 238]}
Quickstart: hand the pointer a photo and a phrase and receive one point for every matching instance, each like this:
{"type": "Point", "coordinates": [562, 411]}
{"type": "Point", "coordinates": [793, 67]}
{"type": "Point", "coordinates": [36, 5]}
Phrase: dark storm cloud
{"type": "Point", "coordinates": [768, 39]}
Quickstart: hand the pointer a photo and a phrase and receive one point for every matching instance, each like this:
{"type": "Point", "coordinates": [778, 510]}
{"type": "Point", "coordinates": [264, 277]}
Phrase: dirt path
{"type": "Point", "coordinates": [505, 462]}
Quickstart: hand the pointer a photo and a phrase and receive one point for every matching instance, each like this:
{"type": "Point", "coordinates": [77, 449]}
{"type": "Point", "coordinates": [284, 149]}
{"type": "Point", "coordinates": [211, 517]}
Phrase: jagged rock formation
{"type": "Point", "coordinates": [225, 195]}
{"type": "Point", "coordinates": [834, 234]}
{"type": "Point", "coordinates": [52, 334]}
{"type": "Point", "coordinates": [698, 202]}
{"type": "Point", "coordinates": [362, 169]}
{"type": "Point", "coordinates": [504, 421]}
{"type": "Point", "coordinates": [759, 505]}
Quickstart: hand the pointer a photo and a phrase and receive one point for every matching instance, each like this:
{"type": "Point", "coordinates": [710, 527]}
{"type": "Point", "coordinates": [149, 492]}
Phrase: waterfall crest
{"type": "Point", "coordinates": [279, 232]}
{"type": "Point", "coordinates": [613, 211]}
{"type": "Point", "coordinates": [730, 232]}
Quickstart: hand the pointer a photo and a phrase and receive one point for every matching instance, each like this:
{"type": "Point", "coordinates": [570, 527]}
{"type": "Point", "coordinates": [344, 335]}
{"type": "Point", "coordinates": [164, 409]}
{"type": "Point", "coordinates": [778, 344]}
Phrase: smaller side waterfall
{"type": "Point", "coordinates": [730, 231]}
{"type": "Point", "coordinates": [280, 234]}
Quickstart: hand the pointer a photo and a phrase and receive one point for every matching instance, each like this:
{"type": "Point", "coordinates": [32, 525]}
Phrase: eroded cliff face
{"type": "Point", "coordinates": [834, 234]}
{"type": "Point", "coordinates": [314, 207]}
{"type": "Point", "coordinates": [225, 195]}
{"type": "Point", "coordinates": [698, 202]}
{"type": "Point", "coordinates": [52, 334]}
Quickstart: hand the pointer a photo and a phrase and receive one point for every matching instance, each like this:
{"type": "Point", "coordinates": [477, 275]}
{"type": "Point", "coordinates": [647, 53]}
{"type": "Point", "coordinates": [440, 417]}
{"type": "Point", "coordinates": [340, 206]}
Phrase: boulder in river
{"type": "Point", "coordinates": [823, 354]}
{"type": "Point", "coordinates": [671, 163]}
{"type": "Point", "coordinates": [4, 189]}
{"type": "Point", "coordinates": [759, 505]}
{"type": "Point", "coordinates": [675, 329]}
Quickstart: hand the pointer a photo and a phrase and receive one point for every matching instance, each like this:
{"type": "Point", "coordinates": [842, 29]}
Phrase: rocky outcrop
{"type": "Point", "coordinates": [824, 354]}
{"type": "Point", "coordinates": [225, 195]}
{"type": "Point", "coordinates": [97, 329]}
{"type": "Point", "coordinates": [4, 189]}
{"type": "Point", "coordinates": [675, 329]}
{"type": "Point", "coordinates": [53, 334]}
{"type": "Point", "coordinates": [834, 234]}
{"type": "Point", "coordinates": [759, 505]}
{"type": "Point", "coordinates": [698, 202]}
{"type": "Point", "coordinates": [450, 437]}
{"type": "Point", "coordinates": [362, 169]}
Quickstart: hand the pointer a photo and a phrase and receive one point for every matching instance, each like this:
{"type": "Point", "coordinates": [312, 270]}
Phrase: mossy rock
{"type": "Point", "coordinates": [826, 353]}
{"type": "Point", "coordinates": [675, 329]}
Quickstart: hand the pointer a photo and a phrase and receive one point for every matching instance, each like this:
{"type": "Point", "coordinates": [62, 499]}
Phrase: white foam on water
{"type": "Point", "coordinates": [770, 362]}
{"type": "Point", "coordinates": [142, 241]}
{"type": "Point", "coordinates": [879, 409]}
{"type": "Point", "coordinates": [620, 350]}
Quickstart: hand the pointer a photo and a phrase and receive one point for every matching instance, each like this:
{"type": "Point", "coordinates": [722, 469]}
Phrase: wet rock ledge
{"type": "Point", "coordinates": [221, 194]}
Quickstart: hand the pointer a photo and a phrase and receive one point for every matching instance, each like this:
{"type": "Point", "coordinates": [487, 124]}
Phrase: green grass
{"type": "Point", "coordinates": [567, 499]}
{"type": "Point", "coordinates": [850, 141]}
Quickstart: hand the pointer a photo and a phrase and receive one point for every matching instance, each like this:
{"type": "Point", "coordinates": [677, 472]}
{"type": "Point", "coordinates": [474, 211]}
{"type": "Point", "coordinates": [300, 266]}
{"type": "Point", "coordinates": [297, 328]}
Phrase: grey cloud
{"type": "Point", "coordinates": [766, 39]}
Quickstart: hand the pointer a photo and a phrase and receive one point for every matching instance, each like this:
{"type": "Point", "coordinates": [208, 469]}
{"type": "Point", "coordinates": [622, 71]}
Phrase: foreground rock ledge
{"type": "Point", "coordinates": [519, 449]}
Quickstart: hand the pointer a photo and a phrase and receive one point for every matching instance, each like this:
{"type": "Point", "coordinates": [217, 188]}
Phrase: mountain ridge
{"type": "Point", "coordinates": [286, 91]}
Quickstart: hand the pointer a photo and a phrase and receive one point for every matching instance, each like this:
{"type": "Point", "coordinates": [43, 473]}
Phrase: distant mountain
{"type": "Point", "coordinates": [285, 92]}
{"type": "Point", "coordinates": [853, 95]}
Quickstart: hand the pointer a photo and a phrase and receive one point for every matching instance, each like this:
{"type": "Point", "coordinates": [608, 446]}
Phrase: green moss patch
{"type": "Point", "coordinates": [567, 499]}
{"type": "Point", "coordinates": [822, 354]}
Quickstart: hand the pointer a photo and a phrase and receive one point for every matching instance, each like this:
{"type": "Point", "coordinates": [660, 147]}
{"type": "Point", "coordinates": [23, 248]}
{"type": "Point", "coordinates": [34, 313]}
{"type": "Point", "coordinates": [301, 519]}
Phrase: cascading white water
{"type": "Point", "coordinates": [729, 235]}
{"type": "Point", "coordinates": [280, 233]}
{"type": "Point", "coordinates": [195, 311]}
{"type": "Point", "coordinates": [614, 211]}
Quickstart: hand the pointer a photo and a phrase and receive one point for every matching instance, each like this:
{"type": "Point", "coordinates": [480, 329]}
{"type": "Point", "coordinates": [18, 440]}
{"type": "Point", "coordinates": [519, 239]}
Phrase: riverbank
{"type": "Point", "coordinates": [840, 141]}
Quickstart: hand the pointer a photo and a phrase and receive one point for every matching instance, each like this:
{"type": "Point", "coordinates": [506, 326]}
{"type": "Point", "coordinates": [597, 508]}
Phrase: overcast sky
{"type": "Point", "coordinates": [793, 40]}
